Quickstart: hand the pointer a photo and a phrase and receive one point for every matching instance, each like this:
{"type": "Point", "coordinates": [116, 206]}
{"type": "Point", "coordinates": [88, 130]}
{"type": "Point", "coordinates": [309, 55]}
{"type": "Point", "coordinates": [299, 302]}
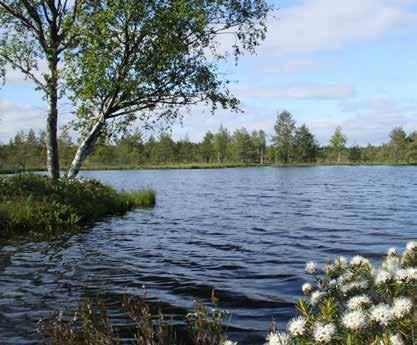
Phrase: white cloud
{"type": "Point", "coordinates": [368, 121]}
{"type": "Point", "coordinates": [15, 77]}
{"type": "Point", "coordinates": [15, 117]}
{"type": "Point", "coordinates": [298, 92]}
{"type": "Point", "coordinates": [317, 25]}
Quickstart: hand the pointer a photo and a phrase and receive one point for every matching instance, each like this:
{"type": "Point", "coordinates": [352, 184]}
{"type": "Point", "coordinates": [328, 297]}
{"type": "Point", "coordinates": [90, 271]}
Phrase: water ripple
{"type": "Point", "coordinates": [245, 232]}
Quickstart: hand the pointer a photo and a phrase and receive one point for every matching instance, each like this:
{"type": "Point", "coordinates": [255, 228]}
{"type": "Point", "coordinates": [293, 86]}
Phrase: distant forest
{"type": "Point", "coordinates": [291, 144]}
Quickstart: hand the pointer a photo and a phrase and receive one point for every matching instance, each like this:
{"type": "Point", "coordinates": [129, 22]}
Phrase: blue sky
{"type": "Point", "coordinates": [328, 62]}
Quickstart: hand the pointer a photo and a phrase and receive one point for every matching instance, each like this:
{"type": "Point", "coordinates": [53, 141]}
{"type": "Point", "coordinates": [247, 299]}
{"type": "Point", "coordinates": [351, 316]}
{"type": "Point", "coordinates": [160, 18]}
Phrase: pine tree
{"type": "Point", "coordinates": [221, 143]}
{"type": "Point", "coordinates": [398, 143]}
{"type": "Point", "coordinates": [305, 145]}
{"type": "Point", "coordinates": [284, 136]}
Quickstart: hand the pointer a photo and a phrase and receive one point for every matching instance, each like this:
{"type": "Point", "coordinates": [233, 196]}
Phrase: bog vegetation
{"type": "Point", "coordinates": [35, 205]}
{"type": "Point", "coordinates": [347, 303]}
{"type": "Point", "coordinates": [290, 144]}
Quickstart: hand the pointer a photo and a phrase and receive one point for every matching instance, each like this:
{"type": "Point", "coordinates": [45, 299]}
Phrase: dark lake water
{"type": "Point", "coordinates": [245, 232]}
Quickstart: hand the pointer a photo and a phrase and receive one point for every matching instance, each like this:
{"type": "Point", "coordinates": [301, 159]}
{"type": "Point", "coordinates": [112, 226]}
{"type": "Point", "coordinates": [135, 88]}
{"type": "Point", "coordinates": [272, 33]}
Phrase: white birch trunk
{"type": "Point", "coordinates": [85, 148]}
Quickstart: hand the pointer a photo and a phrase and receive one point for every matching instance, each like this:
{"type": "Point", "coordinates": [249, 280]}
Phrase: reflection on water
{"type": "Point", "coordinates": [245, 232]}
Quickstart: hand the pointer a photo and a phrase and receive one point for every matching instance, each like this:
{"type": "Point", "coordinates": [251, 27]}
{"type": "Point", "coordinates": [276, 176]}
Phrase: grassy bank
{"type": "Point", "coordinates": [210, 166]}
{"type": "Point", "coordinates": [234, 165]}
{"type": "Point", "coordinates": [32, 204]}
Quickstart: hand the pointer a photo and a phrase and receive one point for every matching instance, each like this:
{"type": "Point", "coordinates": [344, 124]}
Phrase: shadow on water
{"type": "Point", "coordinates": [245, 232]}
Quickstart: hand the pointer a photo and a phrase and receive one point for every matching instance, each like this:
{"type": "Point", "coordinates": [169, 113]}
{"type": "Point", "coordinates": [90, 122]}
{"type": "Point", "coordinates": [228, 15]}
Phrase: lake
{"type": "Point", "coordinates": [245, 232]}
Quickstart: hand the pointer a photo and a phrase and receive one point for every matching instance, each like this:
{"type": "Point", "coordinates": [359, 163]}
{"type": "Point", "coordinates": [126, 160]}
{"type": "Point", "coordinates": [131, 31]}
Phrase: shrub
{"type": "Point", "coordinates": [35, 204]}
{"type": "Point", "coordinates": [355, 303]}
{"type": "Point", "coordinates": [90, 325]}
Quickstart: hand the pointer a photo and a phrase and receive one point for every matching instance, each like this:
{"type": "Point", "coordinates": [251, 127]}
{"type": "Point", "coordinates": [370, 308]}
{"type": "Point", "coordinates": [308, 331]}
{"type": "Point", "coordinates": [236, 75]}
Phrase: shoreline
{"type": "Point", "coordinates": [201, 166]}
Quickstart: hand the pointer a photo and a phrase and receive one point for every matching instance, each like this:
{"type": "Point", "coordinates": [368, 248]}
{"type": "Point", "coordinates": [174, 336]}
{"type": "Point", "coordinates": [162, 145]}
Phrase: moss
{"type": "Point", "coordinates": [36, 205]}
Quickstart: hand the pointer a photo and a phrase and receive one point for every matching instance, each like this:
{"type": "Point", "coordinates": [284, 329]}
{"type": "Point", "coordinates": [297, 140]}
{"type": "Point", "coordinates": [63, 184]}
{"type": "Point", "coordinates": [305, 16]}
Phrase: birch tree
{"type": "Point", "coordinates": [33, 32]}
{"type": "Point", "coordinates": [146, 59]}
{"type": "Point", "coordinates": [338, 142]}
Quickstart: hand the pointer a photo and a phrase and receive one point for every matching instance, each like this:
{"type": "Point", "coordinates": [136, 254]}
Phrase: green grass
{"type": "Point", "coordinates": [211, 166]}
{"type": "Point", "coordinates": [170, 166]}
{"type": "Point", "coordinates": [7, 171]}
{"type": "Point", "coordinates": [145, 198]}
{"type": "Point", "coordinates": [33, 204]}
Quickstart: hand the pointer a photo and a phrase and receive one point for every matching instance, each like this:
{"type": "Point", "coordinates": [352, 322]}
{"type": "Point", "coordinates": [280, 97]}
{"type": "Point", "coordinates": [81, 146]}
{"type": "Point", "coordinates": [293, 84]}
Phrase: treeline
{"type": "Point", "coordinates": [290, 144]}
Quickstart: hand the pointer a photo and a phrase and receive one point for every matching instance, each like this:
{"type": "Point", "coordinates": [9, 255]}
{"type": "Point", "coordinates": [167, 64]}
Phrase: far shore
{"type": "Point", "coordinates": [208, 166]}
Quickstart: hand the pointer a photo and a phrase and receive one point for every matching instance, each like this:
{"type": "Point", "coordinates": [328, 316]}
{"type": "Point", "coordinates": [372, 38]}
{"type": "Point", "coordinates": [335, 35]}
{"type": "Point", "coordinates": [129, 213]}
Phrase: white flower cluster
{"type": "Point", "coordinates": [277, 338]}
{"type": "Point", "coordinates": [381, 314]}
{"type": "Point", "coordinates": [323, 333]}
{"type": "Point", "coordinates": [297, 326]}
{"type": "Point", "coordinates": [358, 261]}
{"type": "Point", "coordinates": [357, 302]}
{"type": "Point", "coordinates": [382, 277]}
{"type": "Point", "coordinates": [411, 246]}
{"type": "Point", "coordinates": [229, 342]}
{"type": "Point", "coordinates": [406, 275]}
{"type": "Point", "coordinates": [376, 304]}
{"type": "Point", "coordinates": [311, 267]}
{"type": "Point", "coordinates": [307, 288]}
{"type": "Point", "coordinates": [317, 296]}
{"type": "Point", "coordinates": [356, 286]}
{"type": "Point", "coordinates": [354, 320]}
{"type": "Point", "coordinates": [401, 307]}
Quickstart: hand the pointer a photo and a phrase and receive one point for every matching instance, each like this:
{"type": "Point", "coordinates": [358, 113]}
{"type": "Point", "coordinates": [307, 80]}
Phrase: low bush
{"type": "Point", "coordinates": [35, 204]}
{"type": "Point", "coordinates": [356, 303]}
{"type": "Point", "coordinates": [91, 325]}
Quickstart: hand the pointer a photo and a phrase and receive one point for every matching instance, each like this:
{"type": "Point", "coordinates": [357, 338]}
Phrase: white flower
{"type": "Point", "coordinates": [277, 338]}
{"type": "Point", "coordinates": [412, 245]}
{"type": "Point", "coordinates": [311, 267]}
{"type": "Point", "coordinates": [381, 314]}
{"type": "Point", "coordinates": [316, 297]}
{"type": "Point", "coordinates": [395, 339]}
{"type": "Point", "coordinates": [229, 342]}
{"type": "Point", "coordinates": [401, 307]}
{"type": "Point", "coordinates": [345, 278]}
{"type": "Point", "coordinates": [358, 302]}
{"type": "Point", "coordinates": [307, 288]}
{"type": "Point", "coordinates": [323, 333]}
{"type": "Point", "coordinates": [328, 269]}
{"type": "Point", "coordinates": [406, 275]}
{"type": "Point", "coordinates": [359, 261]}
{"type": "Point", "coordinates": [360, 285]}
{"type": "Point", "coordinates": [297, 326]}
{"type": "Point", "coordinates": [354, 320]}
{"type": "Point", "coordinates": [382, 277]}
{"type": "Point", "coordinates": [391, 264]}
{"type": "Point", "coordinates": [333, 283]}
{"type": "Point", "coordinates": [341, 262]}
{"type": "Point", "coordinates": [392, 252]}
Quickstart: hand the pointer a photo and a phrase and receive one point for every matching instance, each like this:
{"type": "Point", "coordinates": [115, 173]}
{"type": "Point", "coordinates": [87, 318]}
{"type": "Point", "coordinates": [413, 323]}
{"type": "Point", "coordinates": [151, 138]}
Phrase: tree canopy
{"type": "Point", "coordinates": [123, 60]}
{"type": "Point", "coordinates": [146, 60]}
{"type": "Point", "coordinates": [338, 142]}
{"type": "Point", "coordinates": [39, 32]}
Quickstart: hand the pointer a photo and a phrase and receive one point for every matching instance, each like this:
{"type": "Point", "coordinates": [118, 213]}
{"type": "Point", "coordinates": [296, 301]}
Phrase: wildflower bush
{"type": "Point", "coordinates": [36, 205]}
{"type": "Point", "coordinates": [354, 303]}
